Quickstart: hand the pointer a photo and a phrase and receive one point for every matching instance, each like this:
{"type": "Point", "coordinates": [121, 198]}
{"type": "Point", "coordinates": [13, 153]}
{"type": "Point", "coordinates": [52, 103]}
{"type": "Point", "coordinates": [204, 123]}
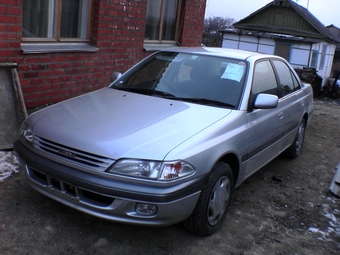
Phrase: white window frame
{"type": "Point", "coordinates": [314, 58]}
{"type": "Point", "coordinates": [323, 57]}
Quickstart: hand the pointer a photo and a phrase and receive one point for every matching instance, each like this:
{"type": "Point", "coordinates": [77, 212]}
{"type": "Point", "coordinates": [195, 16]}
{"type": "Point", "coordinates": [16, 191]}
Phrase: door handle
{"type": "Point", "coordinates": [280, 115]}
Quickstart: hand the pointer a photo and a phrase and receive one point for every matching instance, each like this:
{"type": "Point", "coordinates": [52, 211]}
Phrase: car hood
{"type": "Point", "coordinates": [118, 124]}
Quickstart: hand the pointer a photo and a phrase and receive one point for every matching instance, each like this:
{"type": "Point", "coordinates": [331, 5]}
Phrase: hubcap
{"type": "Point", "coordinates": [299, 139]}
{"type": "Point", "coordinates": [218, 200]}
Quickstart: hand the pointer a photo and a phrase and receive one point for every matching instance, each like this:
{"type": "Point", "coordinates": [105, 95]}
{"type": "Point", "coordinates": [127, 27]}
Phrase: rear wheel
{"type": "Point", "coordinates": [294, 150]}
{"type": "Point", "coordinates": [213, 203]}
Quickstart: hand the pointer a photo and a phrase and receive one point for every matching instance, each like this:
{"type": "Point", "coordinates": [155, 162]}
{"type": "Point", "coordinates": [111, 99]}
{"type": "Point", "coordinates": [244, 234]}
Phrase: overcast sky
{"type": "Point", "coordinates": [327, 11]}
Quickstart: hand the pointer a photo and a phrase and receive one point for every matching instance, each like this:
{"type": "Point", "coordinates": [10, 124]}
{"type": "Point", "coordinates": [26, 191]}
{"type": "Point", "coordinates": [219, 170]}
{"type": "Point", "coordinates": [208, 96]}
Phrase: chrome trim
{"type": "Point", "coordinates": [75, 156]}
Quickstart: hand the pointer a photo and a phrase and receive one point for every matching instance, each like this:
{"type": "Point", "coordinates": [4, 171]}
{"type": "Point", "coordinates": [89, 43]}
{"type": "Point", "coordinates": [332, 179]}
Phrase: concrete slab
{"type": "Point", "coordinates": [12, 113]}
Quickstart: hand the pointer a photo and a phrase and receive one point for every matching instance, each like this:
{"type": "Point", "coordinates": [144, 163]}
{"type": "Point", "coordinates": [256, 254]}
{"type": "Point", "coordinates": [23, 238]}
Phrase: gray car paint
{"type": "Point", "coordinates": [120, 124]}
{"type": "Point", "coordinates": [155, 128]}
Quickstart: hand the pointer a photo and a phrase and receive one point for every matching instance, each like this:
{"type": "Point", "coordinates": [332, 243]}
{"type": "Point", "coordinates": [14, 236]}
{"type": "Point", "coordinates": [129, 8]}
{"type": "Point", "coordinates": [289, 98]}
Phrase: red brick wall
{"type": "Point", "coordinates": [192, 27]}
{"type": "Point", "coordinates": [118, 32]}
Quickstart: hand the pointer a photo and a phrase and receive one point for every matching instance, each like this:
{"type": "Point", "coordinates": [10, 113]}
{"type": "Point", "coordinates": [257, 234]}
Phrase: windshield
{"type": "Point", "coordinates": [188, 77]}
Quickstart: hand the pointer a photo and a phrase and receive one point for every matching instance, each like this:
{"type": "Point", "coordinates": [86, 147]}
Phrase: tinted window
{"type": "Point", "coordinates": [288, 82]}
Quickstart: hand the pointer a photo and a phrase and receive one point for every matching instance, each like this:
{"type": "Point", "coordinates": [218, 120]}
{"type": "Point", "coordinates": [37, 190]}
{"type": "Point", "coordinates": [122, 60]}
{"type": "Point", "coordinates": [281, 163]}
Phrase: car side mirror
{"type": "Point", "coordinates": [266, 101]}
{"type": "Point", "coordinates": [115, 76]}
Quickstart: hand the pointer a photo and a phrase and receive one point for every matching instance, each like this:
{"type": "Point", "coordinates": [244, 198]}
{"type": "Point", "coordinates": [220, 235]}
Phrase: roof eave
{"type": "Point", "coordinates": [288, 31]}
{"type": "Point", "coordinates": [324, 34]}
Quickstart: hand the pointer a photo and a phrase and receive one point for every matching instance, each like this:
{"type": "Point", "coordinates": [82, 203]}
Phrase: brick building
{"type": "Point", "coordinates": [65, 48]}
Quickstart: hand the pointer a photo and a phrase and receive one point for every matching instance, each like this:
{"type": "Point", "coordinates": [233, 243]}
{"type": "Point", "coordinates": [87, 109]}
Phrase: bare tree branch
{"type": "Point", "coordinates": [212, 25]}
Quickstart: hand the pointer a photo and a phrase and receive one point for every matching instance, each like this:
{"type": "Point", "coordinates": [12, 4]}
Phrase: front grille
{"type": "Point", "coordinates": [76, 193]}
{"type": "Point", "coordinates": [82, 158]}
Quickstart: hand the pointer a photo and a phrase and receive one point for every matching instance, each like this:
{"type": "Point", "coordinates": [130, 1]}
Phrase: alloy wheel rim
{"type": "Point", "coordinates": [300, 137]}
{"type": "Point", "coordinates": [218, 200]}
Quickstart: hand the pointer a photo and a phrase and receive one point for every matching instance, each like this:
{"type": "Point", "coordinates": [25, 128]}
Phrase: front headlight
{"type": "Point", "coordinates": [27, 133]}
{"type": "Point", "coordinates": [152, 169]}
{"type": "Point", "coordinates": [136, 168]}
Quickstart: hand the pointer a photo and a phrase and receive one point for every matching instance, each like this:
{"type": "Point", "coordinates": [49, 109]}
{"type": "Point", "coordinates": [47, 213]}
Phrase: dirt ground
{"type": "Point", "coordinates": [285, 208]}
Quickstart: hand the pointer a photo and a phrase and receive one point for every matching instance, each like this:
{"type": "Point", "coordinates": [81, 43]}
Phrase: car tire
{"type": "Point", "coordinates": [213, 202]}
{"type": "Point", "coordinates": [294, 150]}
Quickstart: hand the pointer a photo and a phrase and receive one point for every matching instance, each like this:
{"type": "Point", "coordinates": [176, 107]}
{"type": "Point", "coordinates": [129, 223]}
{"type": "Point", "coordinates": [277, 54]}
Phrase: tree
{"type": "Point", "coordinates": [212, 37]}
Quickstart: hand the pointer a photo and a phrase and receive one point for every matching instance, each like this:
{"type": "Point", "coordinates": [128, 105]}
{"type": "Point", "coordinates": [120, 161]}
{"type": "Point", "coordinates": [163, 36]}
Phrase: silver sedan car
{"type": "Point", "coordinates": [169, 140]}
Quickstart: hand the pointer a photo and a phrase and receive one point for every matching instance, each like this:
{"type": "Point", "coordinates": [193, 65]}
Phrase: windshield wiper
{"type": "Point", "coordinates": [203, 101]}
{"type": "Point", "coordinates": [145, 91]}
{"type": "Point", "coordinates": [151, 92]}
{"type": "Point", "coordinates": [163, 94]}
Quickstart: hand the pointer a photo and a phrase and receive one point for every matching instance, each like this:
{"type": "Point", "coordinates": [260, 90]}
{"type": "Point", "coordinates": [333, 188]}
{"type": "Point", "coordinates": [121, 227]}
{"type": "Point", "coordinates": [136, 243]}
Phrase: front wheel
{"type": "Point", "coordinates": [294, 150]}
{"type": "Point", "coordinates": [213, 203]}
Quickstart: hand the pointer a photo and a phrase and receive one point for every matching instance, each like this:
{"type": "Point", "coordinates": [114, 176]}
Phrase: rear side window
{"type": "Point", "coordinates": [264, 80]}
{"type": "Point", "coordinates": [288, 82]}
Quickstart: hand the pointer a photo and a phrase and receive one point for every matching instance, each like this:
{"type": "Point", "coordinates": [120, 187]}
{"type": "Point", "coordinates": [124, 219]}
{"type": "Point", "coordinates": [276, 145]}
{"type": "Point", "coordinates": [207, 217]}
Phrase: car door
{"type": "Point", "coordinates": [291, 100]}
{"type": "Point", "coordinates": [265, 126]}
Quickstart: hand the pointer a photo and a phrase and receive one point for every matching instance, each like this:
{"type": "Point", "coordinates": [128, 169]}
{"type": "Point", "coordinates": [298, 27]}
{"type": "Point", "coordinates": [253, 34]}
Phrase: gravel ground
{"type": "Point", "coordinates": [285, 208]}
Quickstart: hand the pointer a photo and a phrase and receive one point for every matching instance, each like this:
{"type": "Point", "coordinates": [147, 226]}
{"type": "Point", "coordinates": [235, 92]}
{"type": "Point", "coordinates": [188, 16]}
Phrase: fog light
{"type": "Point", "coordinates": [146, 209]}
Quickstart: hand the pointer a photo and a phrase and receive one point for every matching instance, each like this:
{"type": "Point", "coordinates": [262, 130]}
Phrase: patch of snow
{"type": "Point", "coordinates": [8, 165]}
{"type": "Point", "coordinates": [334, 223]}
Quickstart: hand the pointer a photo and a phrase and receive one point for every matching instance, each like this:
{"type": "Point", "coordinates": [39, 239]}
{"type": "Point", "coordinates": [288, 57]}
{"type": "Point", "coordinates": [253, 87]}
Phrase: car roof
{"type": "Point", "coordinates": [221, 52]}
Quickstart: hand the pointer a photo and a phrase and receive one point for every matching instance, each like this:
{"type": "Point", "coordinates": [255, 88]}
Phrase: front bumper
{"type": "Point", "coordinates": [108, 198]}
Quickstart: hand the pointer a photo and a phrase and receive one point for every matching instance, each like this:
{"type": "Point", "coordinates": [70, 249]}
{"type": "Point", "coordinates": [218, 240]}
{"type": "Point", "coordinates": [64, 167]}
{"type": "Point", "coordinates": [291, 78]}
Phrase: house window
{"type": "Point", "coordinates": [323, 57]}
{"type": "Point", "coordinates": [314, 59]}
{"type": "Point", "coordinates": [51, 21]}
{"type": "Point", "coordinates": [56, 19]}
{"type": "Point", "coordinates": [162, 20]}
